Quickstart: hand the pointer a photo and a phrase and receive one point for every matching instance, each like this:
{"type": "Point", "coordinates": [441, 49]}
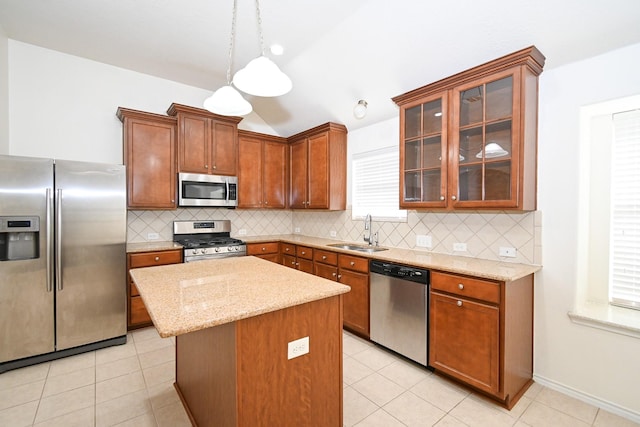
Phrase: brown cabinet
{"type": "Point", "coordinates": [318, 168]}
{"type": "Point", "coordinates": [262, 171]}
{"type": "Point", "coordinates": [481, 333]}
{"type": "Point", "coordinates": [137, 315]}
{"type": "Point", "coordinates": [298, 257]}
{"type": "Point", "coordinates": [269, 251]}
{"type": "Point", "coordinates": [207, 142]}
{"type": "Point", "coordinates": [470, 140]}
{"type": "Point", "coordinates": [150, 158]}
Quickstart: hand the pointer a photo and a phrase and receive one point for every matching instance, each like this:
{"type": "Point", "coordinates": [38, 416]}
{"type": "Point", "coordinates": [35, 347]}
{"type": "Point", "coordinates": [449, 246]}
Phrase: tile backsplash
{"type": "Point", "coordinates": [483, 232]}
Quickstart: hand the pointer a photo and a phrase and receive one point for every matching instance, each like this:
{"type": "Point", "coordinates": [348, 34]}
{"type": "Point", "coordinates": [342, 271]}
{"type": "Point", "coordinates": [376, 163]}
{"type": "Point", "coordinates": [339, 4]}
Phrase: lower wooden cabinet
{"type": "Point", "coordinates": [137, 315]}
{"type": "Point", "coordinates": [269, 251]}
{"type": "Point", "coordinates": [481, 333]}
{"type": "Point", "coordinates": [298, 257]}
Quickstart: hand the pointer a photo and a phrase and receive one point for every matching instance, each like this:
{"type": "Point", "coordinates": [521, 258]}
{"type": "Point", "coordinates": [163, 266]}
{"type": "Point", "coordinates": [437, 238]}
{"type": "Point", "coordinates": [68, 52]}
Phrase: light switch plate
{"type": "Point", "coordinates": [298, 348]}
{"type": "Point", "coordinates": [153, 236]}
{"type": "Point", "coordinates": [332, 233]}
{"type": "Point", "coordinates": [423, 241]}
{"type": "Point", "coordinates": [507, 252]}
{"type": "Point", "coordinates": [242, 232]}
{"type": "Point", "coordinates": [296, 230]}
{"type": "Point", "coordinates": [459, 247]}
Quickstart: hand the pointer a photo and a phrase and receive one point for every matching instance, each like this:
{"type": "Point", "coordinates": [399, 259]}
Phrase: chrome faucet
{"type": "Point", "coordinates": [372, 238]}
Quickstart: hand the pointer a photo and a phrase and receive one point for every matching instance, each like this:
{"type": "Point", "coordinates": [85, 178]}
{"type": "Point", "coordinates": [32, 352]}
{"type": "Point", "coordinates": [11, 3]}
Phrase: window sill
{"type": "Point", "coordinates": [603, 316]}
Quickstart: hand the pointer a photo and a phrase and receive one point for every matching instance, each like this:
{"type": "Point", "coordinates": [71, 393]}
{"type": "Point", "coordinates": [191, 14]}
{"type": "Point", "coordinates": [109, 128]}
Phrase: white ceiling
{"type": "Point", "coordinates": [336, 51]}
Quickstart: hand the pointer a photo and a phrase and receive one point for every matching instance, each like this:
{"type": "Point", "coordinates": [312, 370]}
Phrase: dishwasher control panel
{"type": "Point", "coordinates": [413, 274]}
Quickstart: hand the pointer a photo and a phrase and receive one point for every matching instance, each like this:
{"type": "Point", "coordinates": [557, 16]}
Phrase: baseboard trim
{"type": "Point", "coordinates": [588, 398]}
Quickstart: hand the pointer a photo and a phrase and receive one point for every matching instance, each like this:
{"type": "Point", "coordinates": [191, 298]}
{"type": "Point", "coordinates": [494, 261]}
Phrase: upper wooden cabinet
{"type": "Point", "coordinates": [470, 140]}
{"type": "Point", "coordinates": [207, 142]}
{"type": "Point", "coordinates": [262, 171]}
{"type": "Point", "coordinates": [150, 158]}
{"type": "Point", "coordinates": [318, 168]}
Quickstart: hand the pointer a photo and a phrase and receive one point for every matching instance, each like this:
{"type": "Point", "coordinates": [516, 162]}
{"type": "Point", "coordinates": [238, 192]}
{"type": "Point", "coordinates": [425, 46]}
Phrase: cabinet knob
{"type": "Point", "coordinates": [303, 252]}
{"type": "Point", "coordinates": [206, 166]}
{"type": "Point", "coordinates": [286, 249]}
{"type": "Point", "coordinates": [334, 274]}
{"type": "Point", "coordinates": [173, 201]}
{"type": "Point", "coordinates": [460, 286]}
{"type": "Point", "coordinates": [339, 276]}
{"type": "Point", "coordinates": [266, 203]}
{"type": "Point", "coordinates": [214, 166]}
{"type": "Point", "coordinates": [352, 263]}
{"type": "Point", "coordinates": [264, 249]}
{"type": "Point", "coordinates": [157, 258]}
{"type": "Point", "coordinates": [454, 198]}
{"type": "Point", "coordinates": [442, 198]}
{"type": "Point", "coordinates": [293, 263]}
{"type": "Point", "coordinates": [324, 257]}
{"type": "Point", "coordinates": [459, 303]}
{"type": "Point", "coordinates": [297, 264]}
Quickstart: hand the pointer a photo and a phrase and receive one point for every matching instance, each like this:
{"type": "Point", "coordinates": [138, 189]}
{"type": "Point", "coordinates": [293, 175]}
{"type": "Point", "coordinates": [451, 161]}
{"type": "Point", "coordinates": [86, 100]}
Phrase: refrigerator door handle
{"type": "Point", "coordinates": [58, 205]}
{"type": "Point", "coordinates": [49, 199]}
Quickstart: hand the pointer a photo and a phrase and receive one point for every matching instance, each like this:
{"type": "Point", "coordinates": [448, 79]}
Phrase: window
{"type": "Point", "coordinates": [376, 186]}
{"type": "Point", "coordinates": [624, 268]}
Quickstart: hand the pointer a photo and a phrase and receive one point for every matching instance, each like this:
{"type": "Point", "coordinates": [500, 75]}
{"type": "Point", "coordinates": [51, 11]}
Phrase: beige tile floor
{"type": "Point", "coordinates": [131, 385]}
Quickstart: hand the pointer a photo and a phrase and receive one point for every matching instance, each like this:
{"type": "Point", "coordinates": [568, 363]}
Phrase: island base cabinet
{"type": "Point", "coordinates": [239, 374]}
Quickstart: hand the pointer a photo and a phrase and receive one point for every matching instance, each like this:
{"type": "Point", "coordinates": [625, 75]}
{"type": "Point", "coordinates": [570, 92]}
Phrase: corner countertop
{"type": "Point", "coordinates": [152, 246]}
{"type": "Point", "coordinates": [487, 269]}
{"type": "Point", "coordinates": [182, 298]}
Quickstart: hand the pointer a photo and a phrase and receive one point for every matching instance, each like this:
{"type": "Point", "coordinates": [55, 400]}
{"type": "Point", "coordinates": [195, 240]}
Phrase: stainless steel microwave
{"type": "Point", "coordinates": [196, 189]}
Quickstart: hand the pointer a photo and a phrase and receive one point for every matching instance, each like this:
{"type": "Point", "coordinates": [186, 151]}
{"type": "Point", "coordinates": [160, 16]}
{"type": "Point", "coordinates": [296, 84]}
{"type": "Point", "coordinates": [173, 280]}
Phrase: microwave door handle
{"type": "Point", "coordinates": [226, 181]}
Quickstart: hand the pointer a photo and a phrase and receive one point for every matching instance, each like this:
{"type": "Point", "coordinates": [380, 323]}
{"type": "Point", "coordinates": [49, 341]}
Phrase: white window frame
{"type": "Point", "coordinates": [375, 185]}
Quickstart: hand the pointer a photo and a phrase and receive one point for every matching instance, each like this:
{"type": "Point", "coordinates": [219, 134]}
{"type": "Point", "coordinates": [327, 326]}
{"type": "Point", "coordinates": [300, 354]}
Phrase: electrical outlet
{"type": "Point", "coordinates": [333, 233]}
{"type": "Point", "coordinates": [507, 252]}
{"type": "Point", "coordinates": [296, 230]}
{"type": "Point", "coordinates": [242, 232]}
{"type": "Point", "coordinates": [459, 247]}
{"type": "Point", "coordinates": [423, 241]}
{"type": "Point", "coordinates": [298, 348]}
{"type": "Point", "coordinates": [153, 236]}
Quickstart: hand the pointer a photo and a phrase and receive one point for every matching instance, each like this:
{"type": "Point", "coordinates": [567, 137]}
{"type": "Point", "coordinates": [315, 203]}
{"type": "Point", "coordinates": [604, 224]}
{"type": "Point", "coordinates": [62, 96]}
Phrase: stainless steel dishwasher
{"type": "Point", "coordinates": [399, 304]}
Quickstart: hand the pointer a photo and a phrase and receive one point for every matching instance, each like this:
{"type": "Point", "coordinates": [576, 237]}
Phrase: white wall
{"type": "Point", "coordinates": [4, 93]}
{"type": "Point", "coordinates": [64, 106]}
{"type": "Point", "coordinates": [587, 362]}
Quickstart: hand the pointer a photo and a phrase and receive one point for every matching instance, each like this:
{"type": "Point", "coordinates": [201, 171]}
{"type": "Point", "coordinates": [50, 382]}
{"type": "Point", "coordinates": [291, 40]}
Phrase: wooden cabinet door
{"type": "Point", "coordinates": [305, 265]}
{"type": "Point", "coordinates": [464, 340]}
{"type": "Point", "coordinates": [318, 170]}
{"type": "Point", "coordinates": [298, 174]}
{"type": "Point", "coordinates": [326, 271]}
{"type": "Point", "coordinates": [194, 142]}
{"type": "Point", "coordinates": [150, 158]}
{"type": "Point", "coordinates": [274, 175]}
{"type": "Point", "coordinates": [250, 170]}
{"type": "Point", "coordinates": [289, 261]}
{"type": "Point", "coordinates": [224, 148]}
{"type": "Point", "coordinates": [356, 302]}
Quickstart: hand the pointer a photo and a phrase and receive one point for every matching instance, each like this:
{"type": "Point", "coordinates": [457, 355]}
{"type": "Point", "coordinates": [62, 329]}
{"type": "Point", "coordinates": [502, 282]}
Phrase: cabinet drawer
{"type": "Point", "coordinates": [262, 248]}
{"type": "Point", "coordinates": [138, 311]}
{"type": "Point", "coordinates": [325, 257]}
{"type": "Point", "coordinates": [148, 259]}
{"type": "Point", "coordinates": [288, 249]}
{"type": "Point", "coordinates": [326, 271]}
{"type": "Point", "coordinates": [466, 287]}
{"type": "Point", "coordinates": [353, 263]}
{"type": "Point", "coordinates": [304, 252]}
{"type": "Point", "coordinates": [134, 290]}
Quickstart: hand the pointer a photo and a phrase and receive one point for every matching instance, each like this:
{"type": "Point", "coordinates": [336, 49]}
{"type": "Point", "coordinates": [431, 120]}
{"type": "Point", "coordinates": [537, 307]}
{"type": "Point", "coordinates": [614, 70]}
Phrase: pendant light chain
{"type": "Point", "coordinates": [259, 27]}
{"type": "Point", "coordinates": [232, 42]}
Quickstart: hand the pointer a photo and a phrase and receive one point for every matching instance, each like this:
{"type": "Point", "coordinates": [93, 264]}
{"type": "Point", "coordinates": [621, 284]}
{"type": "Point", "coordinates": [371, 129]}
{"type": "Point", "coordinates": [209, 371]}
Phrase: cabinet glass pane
{"type": "Point", "coordinates": [432, 117]}
{"type": "Point", "coordinates": [470, 145]}
{"type": "Point", "coordinates": [471, 101]}
{"type": "Point", "coordinates": [412, 187]}
{"type": "Point", "coordinates": [412, 118]}
{"type": "Point", "coordinates": [412, 155]}
{"type": "Point", "coordinates": [499, 99]}
{"type": "Point", "coordinates": [470, 183]}
{"type": "Point", "coordinates": [431, 152]}
{"type": "Point", "coordinates": [498, 140]}
{"type": "Point", "coordinates": [497, 181]}
{"type": "Point", "coordinates": [431, 185]}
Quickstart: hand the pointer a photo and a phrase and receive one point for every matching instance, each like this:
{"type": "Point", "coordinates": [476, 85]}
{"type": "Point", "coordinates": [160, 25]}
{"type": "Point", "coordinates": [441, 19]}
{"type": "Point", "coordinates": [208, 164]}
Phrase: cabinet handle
{"type": "Point", "coordinates": [460, 286]}
{"type": "Point", "coordinates": [297, 264]}
{"type": "Point", "coordinates": [157, 258]}
{"type": "Point", "coordinates": [286, 249]}
{"type": "Point", "coordinates": [214, 166]}
{"type": "Point", "coordinates": [454, 198]}
{"type": "Point", "coordinates": [173, 201]}
{"type": "Point", "coordinates": [339, 276]}
{"type": "Point", "coordinates": [324, 257]}
{"type": "Point", "coordinates": [303, 252]}
{"type": "Point", "coordinates": [266, 203]}
{"type": "Point", "coordinates": [334, 274]}
{"type": "Point", "coordinates": [206, 166]}
{"type": "Point", "coordinates": [264, 249]}
{"type": "Point", "coordinates": [352, 263]}
{"type": "Point", "coordinates": [459, 303]}
{"type": "Point", "coordinates": [442, 198]}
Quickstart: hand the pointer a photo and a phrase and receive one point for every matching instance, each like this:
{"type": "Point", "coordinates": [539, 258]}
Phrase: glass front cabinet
{"type": "Point", "coordinates": [469, 141]}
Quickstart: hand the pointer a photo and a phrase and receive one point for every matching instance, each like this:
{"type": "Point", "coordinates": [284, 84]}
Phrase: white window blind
{"type": "Point", "coordinates": [375, 185]}
{"type": "Point", "coordinates": [624, 271]}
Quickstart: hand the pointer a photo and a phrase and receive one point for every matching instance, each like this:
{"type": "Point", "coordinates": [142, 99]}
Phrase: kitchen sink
{"type": "Point", "coordinates": [359, 248]}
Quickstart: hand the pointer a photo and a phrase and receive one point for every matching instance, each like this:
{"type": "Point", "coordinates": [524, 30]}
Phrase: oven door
{"type": "Point", "coordinates": [207, 190]}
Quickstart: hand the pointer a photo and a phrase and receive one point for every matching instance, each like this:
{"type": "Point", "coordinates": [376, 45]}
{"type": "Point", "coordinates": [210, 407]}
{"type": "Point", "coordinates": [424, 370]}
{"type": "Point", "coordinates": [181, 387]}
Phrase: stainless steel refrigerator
{"type": "Point", "coordinates": [62, 258]}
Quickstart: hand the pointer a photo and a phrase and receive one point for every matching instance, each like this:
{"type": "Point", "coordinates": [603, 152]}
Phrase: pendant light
{"type": "Point", "coordinates": [261, 76]}
{"type": "Point", "coordinates": [227, 101]}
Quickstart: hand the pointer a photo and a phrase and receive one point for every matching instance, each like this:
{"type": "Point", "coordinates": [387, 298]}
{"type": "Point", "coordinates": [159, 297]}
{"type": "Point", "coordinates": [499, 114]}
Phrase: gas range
{"type": "Point", "coordinates": [207, 240]}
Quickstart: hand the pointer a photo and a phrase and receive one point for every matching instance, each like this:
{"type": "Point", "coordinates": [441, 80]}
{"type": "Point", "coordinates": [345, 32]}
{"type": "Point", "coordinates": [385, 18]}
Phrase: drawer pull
{"type": "Point", "coordinates": [324, 257]}
{"type": "Point", "coordinates": [334, 274]}
{"type": "Point", "coordinates": [286, 249]}
{"type": "Point", "coordinates": [459, 303]}
{"type": "Point", "coordinates": [303, 252]}
{"type": "Point", "coordinates": [352, 263]}
{"type": "Point", "coordinates": [460, 286]}
{"type": "Point", "coordinates": [264, 249]}
{"type": "Point", "coordinates": [157, 258]}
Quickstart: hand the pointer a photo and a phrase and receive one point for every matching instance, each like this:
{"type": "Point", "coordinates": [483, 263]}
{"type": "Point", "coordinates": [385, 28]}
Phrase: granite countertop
{"type": "Point", "coordinates": [182, 298]}
{"type": "Point", "coordinates": [488, 269]}
{"type": "Point", "coordinates": [152, 246]}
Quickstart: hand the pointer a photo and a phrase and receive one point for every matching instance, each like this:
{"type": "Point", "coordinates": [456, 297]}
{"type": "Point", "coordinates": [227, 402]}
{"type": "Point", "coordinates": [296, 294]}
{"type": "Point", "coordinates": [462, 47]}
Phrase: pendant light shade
{"type": "Point", "coordinates": [227, 101]}
{"type": "Point", "coordinates": [262, 77]}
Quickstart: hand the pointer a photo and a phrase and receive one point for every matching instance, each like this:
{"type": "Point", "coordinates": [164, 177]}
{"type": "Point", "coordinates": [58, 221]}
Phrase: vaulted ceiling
{"type": "Point", "coordinates": [336, 51]}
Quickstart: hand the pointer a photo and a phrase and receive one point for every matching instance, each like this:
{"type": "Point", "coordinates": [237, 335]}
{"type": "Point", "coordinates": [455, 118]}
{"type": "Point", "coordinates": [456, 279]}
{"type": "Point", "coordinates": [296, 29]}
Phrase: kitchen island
{"type": "Point", "coordinates": [257, 344]}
